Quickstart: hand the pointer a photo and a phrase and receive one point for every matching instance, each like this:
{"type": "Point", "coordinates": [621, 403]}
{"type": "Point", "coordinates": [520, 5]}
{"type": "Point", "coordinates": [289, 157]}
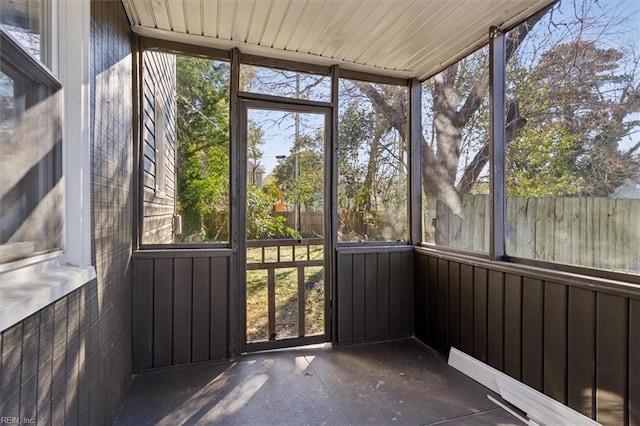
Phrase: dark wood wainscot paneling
{"type": "Point", "coordinates": [180, 307]}
{"type": "Point", "coordinates": [374, 294]}
{"type": "Point", "coordinates": [578, 343]}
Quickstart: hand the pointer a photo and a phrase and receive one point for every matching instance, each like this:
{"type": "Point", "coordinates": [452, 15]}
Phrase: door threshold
{"type": "Point", "coordinates": [294, 342]}
{"type": "Point", "coordinates": [310, 347]}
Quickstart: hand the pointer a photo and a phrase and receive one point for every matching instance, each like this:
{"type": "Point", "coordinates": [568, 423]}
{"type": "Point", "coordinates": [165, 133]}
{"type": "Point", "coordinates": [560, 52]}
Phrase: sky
{"type": "Point", "coordinates": [279, 132]}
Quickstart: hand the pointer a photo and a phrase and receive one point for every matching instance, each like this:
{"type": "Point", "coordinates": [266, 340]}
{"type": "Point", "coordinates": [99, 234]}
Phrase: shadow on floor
{"type": "Point", "coordinates": [396, 382]}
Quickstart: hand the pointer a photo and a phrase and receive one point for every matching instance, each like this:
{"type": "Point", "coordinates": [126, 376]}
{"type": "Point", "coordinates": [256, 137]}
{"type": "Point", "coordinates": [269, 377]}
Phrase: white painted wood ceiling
{"type": "Point", "coordinates": [400, 38]}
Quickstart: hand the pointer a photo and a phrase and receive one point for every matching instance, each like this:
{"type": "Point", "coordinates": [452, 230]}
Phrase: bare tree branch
{"type": "Point", "coordinates": [396, 117]}
{"type": "Point", "coordinates": [477, 93]}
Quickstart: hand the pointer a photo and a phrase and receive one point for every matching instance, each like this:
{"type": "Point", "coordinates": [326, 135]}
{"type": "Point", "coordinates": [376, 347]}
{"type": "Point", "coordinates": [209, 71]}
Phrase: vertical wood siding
{"type": "Point", "coordinates": [180, 308]}
{"type": "Point", "coordinates": [578, 345]}
{"type": "Point", "coordinates": [374, 294]}
{"type": "Point", "coordinates": [70, 363]}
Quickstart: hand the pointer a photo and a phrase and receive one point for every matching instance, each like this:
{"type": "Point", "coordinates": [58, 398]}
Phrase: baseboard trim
{"type": "Point", "coordinates": [538, 407]}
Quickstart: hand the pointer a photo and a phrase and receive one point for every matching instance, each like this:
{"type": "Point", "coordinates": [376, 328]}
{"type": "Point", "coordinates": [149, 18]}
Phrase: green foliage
{"type": "Point", "coordinates": [203, 148]}
{"type": "Point", "coordinates": [576, 112]}
{"type": "Point", "coordinates": [261, 223]}
{"type": "Point", "coordinates": [356, 125]}
{"type": "Point", "coordinates": [372, 184]}
{"type": "Point", "coordinates": [260, 220]}
{"type": "Point", "coordinates": [538, 162]}
{"type": "Point", "coordinates": [300, 175]}
{"type": "Point", "coordinates": [255, 135]}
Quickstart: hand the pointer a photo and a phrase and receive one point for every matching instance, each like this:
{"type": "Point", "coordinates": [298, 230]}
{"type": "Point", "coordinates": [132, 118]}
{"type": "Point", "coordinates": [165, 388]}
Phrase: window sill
{"type": "Point", "coordinates": [27, 290]}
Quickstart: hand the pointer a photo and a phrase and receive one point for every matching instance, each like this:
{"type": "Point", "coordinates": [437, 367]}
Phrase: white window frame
{"type": "Point", "coordinates": [28, 285]}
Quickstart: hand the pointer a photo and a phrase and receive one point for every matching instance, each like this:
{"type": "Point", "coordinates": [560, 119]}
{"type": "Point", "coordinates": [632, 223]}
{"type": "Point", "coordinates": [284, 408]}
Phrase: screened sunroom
{"type": "Point", "coordinates": [284, 211]}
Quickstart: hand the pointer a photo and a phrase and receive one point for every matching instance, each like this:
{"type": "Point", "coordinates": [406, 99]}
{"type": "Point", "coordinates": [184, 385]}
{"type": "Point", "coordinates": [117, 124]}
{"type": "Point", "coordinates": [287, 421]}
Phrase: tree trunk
{"type": "Point", "coordinates": [372, 167]}
{"type": "Point", "coordinates": [451, 115]}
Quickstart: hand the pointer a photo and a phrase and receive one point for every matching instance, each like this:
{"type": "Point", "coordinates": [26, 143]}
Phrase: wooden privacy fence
{"type": "Point", "coordinates": [595, 232]}
{"type": "Point", "coordinates": [311, 223]}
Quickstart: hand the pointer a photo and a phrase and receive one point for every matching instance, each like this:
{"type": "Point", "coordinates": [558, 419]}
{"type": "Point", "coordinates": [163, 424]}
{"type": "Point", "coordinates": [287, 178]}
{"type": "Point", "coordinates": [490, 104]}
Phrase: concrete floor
{"type": "Point", "coordinates": [399, 382]}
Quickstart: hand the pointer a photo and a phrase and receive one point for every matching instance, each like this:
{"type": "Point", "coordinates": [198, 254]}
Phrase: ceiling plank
{"type": "Point", "coordinates": [308, 19]}
{"type": "Point", "coordinates": [145, 16]}
{"type": "Point", "coordinates": [176, 15]}
{"type": "Point", "coordinates": [160, 14]}
{"type": "Point", "coordinates": [193, 16]}
{"type": "Point", "coordinates": [259, 21]}
{"type": "Point", "coordinates": [290, 23]}
{"type": "Point", "coordinates": [380, 29]}
{"type": "Point", "coordinates": [211, 18]}
{"type": "Point", "coordinates": [397, 36]}
{"type": "Point", "coordinates": [388, 27]}
{"type": "Point", "coordinates": [242, 21]}
{"type": "Point", "coordinates": [275, 22]}
{"type": "Point", "coordinates": [329, 10]}
{"type": "Point", "coordinates": [227, 15]}
{"type": "Point", "coordinates": [439, 51]}
{"type": "Point", "coordinates": [334, 33]}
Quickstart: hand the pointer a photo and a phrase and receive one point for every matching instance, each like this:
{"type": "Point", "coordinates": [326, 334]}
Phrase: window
{"type": "Point", "coordinates": [30, 134]}
{"type": "Point", "coordinates": [285, 83]}
{"type": "Point", "coordinates": [31, 157]}
{"type": "Point", "coordinates": [185, 149]}
{"type": "Point", "coordinates": [42, 257]}
{"type": "Point", "coordinates": [455, 155]}
{"type": "Point", "coordinates": [28, 22]}
{"type": "Point", "coordinates": [372, 162]}
{"type": "Point", "coordinates": [573, 146]}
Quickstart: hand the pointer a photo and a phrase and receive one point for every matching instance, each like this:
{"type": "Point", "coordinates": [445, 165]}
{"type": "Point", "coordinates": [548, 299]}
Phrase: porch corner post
{"type": "Point", "coordinates": [138, 168]}
{"type": "Point", "coordinates": [415, 156]}
{"type": "Point", "coordinates": [236, 300]}
{"type": "Point", "coordinates": [497, 143]}
{"type": "Point", "coordinates": [332, 321]}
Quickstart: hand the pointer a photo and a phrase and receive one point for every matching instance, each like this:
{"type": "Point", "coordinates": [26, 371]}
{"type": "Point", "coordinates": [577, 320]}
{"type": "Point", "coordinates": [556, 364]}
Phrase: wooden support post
{"type": "Point", "coordinates": [331, 214]}
{"type": "Point", "coordinates": [415, 166]}
{"type": "Point", "coordinates": [271, 302]}
{"type": "Point", "coordinates": [301, 301]}
{"type": "Point", "coordinates": [237, 293]}
{"type": "Point", "coordinates": [497, 134]}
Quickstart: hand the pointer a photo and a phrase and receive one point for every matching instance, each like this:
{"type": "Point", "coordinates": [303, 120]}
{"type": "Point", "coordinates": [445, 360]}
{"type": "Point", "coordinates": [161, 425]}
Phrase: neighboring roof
{"type": "Point", "coordinates": [398, 38]}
